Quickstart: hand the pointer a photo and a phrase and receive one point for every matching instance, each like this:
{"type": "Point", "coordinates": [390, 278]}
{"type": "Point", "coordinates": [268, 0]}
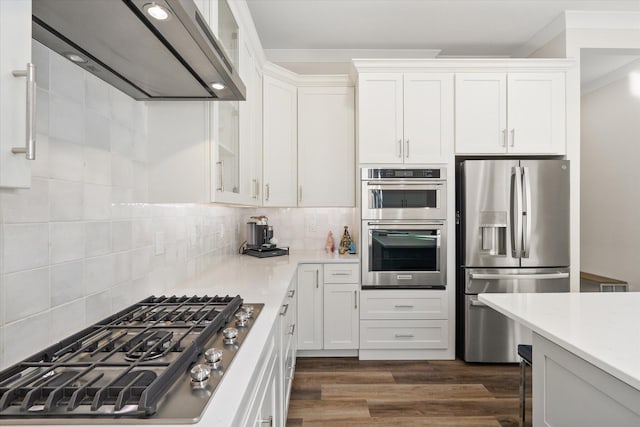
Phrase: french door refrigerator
{"type": "Point", "coordinates": [513, 236]}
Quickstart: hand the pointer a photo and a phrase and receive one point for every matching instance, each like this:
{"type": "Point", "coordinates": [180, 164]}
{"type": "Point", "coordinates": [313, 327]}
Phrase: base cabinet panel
{"type": "Point", "coordinates": [341, 320]}
{"type": "Point", "coordinates": [405, 334]}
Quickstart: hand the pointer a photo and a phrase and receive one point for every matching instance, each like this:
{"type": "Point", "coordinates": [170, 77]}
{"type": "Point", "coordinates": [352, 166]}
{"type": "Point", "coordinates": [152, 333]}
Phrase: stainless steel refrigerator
{"type": "Point", "coordinates": [513, 236]}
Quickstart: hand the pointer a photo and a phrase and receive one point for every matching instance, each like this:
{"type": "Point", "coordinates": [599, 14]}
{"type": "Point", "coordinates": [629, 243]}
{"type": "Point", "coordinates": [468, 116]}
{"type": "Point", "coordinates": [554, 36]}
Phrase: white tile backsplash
{"type": "Point", "coordinates": [65, 119]}
{"type": "Point", "coordinates": [26, 336]}
{"type": "Point", "coordinates": [67, 319]}
{"type": "Point", "coordinates": [66, 200]}
{"type": "Point", "coordinates": [97, 202]}
{"type": "Point", "coordinates": [30, 205]}
{"type": "Point", "coordinates": [26, 246]}
{"type": "Point", "coordinates": [99, 274]}
{"type": "Point", "coordinates": [66, 285]}
{"type": "Point", "coordinates": [97, 130]}
{"type": "Point", "coordinates": [66, 160]}
{"type": "Point", "coordinates": [97, 95]}
{"type": "Point", "coordinates": [67, 241]}
{"type": "Point", "coordinates": [26, 293]}
{"type": "Point", "coordinates": [97, 238]}
{"type": "Point", "coordinates": [66, 79]}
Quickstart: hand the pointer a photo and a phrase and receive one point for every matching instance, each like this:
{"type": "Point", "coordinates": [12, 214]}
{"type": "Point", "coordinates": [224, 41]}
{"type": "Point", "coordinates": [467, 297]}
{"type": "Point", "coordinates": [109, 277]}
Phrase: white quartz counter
{"type": "Point", "coordinates": [601, 328]}
{"type": "Point", "coordinates": [257, 281]}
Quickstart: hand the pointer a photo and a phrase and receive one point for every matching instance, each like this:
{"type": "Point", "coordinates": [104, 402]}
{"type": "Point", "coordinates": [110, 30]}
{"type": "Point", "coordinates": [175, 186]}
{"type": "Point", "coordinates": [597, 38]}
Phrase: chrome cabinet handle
{"type": "Point", "coordinates": [505, 136]}
{"type": "Point", "coordinates": [221, 187]}
{"type": "Point", "coordinates": [513, 137]}
{"type": "Point", "coordinates": [284, 309]}
{"type": "Point", "coordinates": [267, 192]}
{"type": "Point", "coordinates": [355, 299]}
{"type": "Point", "coordinates": [292, 292]}
{"type": "Point", "coordinates": [406, 154]}
{"type": "Point", "coordinates": [341, 274]}
{"type": "Point", "coordinates": [29, 150]}
{"type": "Point", "coordinates": [399, 148]}
{"type": "Point", "coordinates": [292, 328]}
{"type": "Point", "coordinates": [317, 279]}
{"type": "Point", "coordinates": [257, 184]}
{"type": "Point", "coordinates": [404, 335]}
{"type": "Point", "coordinates": [403, 306]}
{"type": "Point", "coordinates": [254, 192]}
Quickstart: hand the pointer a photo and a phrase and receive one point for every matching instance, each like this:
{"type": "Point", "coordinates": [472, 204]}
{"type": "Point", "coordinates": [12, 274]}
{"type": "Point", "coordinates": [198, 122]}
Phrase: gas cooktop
{"type": "Point", "coordinates": [158, 361]}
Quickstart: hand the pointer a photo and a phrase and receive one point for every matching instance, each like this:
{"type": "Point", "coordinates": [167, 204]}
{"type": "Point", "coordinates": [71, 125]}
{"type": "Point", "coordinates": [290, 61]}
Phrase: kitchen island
{"type": "Point", "coordinates": [586, 355]}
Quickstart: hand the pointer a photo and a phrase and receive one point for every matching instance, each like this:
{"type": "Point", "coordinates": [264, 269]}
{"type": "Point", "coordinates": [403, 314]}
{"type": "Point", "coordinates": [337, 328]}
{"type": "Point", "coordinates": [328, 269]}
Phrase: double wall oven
{"type": "Point", "coordinates": [404, 231]}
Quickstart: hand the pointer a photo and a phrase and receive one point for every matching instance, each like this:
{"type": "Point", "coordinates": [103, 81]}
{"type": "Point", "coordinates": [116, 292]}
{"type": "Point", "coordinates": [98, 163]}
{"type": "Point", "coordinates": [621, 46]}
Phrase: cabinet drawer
{"type": "Point", "coordinates": [403, 334]}
{"type": "Point", "coordinates": [342, 273]}
{"type": "Point", "coordinates": [409, 304]}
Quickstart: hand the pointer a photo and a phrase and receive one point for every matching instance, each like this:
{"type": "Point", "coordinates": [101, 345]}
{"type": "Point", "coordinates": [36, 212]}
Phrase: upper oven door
{"type": "Point", "coordinates": [409, 254]}
{"type": "Point", "coordinates": [403, 200]}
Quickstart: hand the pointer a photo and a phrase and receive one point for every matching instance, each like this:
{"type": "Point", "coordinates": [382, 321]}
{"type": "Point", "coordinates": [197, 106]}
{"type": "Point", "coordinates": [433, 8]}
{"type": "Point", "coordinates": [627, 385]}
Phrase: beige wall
{"type": "Point", "coordinates": [556, 48]}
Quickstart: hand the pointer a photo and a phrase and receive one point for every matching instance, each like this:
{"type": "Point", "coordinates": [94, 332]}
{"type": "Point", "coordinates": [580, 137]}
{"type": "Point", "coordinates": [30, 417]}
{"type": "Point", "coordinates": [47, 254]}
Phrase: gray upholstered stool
{"type": "Point", "coordinates": [525, 352]}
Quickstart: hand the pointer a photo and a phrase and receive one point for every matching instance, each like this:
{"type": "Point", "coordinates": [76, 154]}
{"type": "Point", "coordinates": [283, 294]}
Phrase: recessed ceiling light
{"type": "Point", "coordinates": [76, 58]}
{"type": "Point", "coordinates": [156, 11]}
{"type": "Point", "coordinates": [217, 86]}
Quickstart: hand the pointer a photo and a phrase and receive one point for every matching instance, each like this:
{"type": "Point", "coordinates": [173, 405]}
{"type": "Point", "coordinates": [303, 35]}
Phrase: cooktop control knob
{"type": "Point", "coordinates": [213, 356]}
{"type": "Point", "coordinates": [230, 335]}
{"type": "Point", "coordinates": [200, 373]}
{"type": "Point", "coordinates": [241, 318]}
{"type": "Point", "coordinates": [248, 309]}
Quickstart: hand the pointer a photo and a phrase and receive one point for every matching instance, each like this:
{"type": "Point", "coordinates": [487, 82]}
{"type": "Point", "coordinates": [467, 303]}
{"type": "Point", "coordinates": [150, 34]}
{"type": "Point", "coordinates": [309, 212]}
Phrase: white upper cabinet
{"type": "Point", "coordinates": [280, 140]}
{"type": "Point", "coordinates": [326, 146]}
{"type": "Point", "coordinates": [380, 118]}
{"type": "Point", "coordinates": [405, 118]}
{"type": "Point", "coordinates": [514, 113]}
{"type": "Point", "coordinates": [17, 93]}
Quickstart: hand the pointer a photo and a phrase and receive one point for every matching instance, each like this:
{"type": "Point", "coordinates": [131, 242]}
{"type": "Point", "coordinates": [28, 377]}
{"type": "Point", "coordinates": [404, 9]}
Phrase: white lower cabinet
{"type": "Point", "coordinates": [328, 306]}
{"type": "Point", "coordinates": [404, 324]}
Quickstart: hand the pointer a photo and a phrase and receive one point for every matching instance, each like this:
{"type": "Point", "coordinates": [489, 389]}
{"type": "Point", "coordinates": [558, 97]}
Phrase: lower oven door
{"type": "Point", "coordinates": [404, 254]}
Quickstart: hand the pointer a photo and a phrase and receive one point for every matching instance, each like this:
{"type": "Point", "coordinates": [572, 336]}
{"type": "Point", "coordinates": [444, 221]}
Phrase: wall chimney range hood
{"type": "Point", "coordinates": [149, 49]}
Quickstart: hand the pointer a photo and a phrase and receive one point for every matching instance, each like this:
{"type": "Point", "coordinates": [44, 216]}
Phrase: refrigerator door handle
{"type": "Point", "coordinates": [526, 213]}
{"type": "Point", "coordinates": [516, 212]}
{"type": "Point", "coordinates": [540, 276]}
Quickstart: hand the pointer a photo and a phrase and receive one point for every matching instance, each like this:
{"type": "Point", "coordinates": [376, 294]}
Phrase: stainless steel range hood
{"type": "Point", "coordinates": [148, 59]}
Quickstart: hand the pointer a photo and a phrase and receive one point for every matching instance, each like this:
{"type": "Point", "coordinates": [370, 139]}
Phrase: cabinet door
{"type": "Point", "coordinates": [536, 113]}
{"type": "Point", "coordinates": [341, 319]}
{"type": "Point", "coordinates": [326, 146]}
{"type": "Point", "coordinates": [380, 118]}
{"type": "Point", "coordinates": [15, 45]}
{"type": "Point", "coordinates": [280, 155]}
{"type": "Point", "coordinates": [309, 321]}
{"type": "Point", "coordinates": [481, 113]}
{"type": "Point", "coordinates": [428, 118]}
{"type": "Point", "coordinates": [255, 147]}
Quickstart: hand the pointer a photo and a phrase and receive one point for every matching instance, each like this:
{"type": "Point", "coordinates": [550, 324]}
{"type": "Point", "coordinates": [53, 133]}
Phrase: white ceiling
{"type": "Point", "coordinates": [455, 27]}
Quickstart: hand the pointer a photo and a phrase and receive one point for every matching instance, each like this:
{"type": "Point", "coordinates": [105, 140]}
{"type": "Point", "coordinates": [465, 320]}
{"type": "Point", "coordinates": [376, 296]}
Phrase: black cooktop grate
{"type": "Point", "coordinates": [126, 362]}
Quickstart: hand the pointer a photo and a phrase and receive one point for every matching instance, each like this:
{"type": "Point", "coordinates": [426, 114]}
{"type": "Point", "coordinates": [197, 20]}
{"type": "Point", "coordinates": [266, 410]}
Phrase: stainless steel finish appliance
{"type": "Point", "coordinates": [259, 236]}
{"type": "Point", "coordinates": [404, 193]}
{"type": "Point", "coordinates": [513, 236]}
{"type": "Point", "coordinates": [149, 59]}
{"type": "Point", "coordinates": [156, 362]}
{"type": "Point", "coordinates": [404, 254]}
{"type": "Point", "coordinates": [404, 231]}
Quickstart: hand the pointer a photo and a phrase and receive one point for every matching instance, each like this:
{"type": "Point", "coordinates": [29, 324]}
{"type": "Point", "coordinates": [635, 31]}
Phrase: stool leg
{"type": "Point", "coordinates": [523, 391]}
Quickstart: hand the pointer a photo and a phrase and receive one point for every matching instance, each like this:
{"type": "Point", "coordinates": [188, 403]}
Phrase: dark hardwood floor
{"type": "Point", "coordinates": [350, 392]}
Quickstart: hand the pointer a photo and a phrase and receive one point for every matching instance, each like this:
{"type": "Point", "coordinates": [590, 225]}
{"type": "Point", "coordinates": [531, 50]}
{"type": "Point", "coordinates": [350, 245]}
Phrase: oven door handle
{"type": "Point", "coordinates": [427, 184]}
{"type": "Point", "coordinates": [407, 224]}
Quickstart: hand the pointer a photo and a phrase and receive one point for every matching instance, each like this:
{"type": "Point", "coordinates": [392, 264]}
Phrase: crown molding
{"type": "Point", "coordinates": [345, 55]}
{"type": "Point", "coordinates": [300, 80]}
{"type": "Point", "coordinates": [461, 64]}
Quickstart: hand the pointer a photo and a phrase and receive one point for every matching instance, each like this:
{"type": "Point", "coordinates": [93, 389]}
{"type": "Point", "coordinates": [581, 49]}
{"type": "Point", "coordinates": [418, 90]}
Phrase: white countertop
{"type": "Point", "coordinates": [601, 328]}
{"type": "Point", "coordinates": [256, 280]}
